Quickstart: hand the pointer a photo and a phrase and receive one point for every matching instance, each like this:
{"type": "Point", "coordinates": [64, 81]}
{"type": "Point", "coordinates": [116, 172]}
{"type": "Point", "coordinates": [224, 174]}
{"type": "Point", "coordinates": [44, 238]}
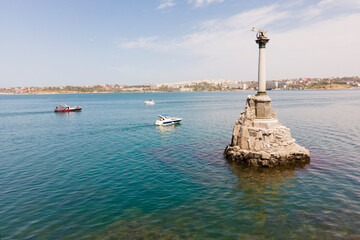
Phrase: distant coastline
{"type": "Point", "coordinates": [58, 93]}
{"type": "Point", "coordinates": [213, 85]}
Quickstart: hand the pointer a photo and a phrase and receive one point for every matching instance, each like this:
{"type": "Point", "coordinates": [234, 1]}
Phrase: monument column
{"type": "Point", "coordinates": [262, 100]}
{"type": "Point", "coordinates": [262, 40]}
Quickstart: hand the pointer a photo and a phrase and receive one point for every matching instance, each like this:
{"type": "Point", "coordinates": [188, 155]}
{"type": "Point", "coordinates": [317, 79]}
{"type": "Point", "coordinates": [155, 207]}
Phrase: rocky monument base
{"type": "Point", "coordinates": [260, 140]}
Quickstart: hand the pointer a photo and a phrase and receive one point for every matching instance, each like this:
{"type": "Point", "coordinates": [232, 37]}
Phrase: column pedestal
{"type": "Point", "coordinates": [262, 106]}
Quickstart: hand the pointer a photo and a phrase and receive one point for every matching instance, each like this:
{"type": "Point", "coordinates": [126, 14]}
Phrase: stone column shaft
{"type": "Point", "coordinates": [262, 71]}
{"type": "Point", "coordinates": [262, 40]}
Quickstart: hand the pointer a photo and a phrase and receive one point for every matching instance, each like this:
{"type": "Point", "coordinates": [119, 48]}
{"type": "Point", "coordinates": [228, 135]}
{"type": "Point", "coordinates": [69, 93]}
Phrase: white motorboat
{"type": "Point", "coordinates": [166, 120]}
{"type": "Point", "coordinates": [149, 102]}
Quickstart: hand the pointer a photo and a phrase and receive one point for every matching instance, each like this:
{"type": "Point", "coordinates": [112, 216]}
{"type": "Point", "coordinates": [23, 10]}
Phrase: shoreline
{"type": "Point", "coordinates": [277, 90]}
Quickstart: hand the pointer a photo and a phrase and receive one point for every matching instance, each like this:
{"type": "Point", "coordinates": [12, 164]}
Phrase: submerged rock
{"type": "Point", "coordinates": [260, 140]}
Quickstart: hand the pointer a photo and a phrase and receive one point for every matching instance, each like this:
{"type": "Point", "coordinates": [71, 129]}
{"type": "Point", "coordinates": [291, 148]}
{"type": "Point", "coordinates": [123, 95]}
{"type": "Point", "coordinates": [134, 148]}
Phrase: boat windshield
{"type": "Point", "coordinates": [163, 117]}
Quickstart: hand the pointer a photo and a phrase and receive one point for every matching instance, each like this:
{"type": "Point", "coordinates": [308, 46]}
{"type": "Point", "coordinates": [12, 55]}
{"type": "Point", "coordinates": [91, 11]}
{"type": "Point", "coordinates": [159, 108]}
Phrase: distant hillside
{"type": "Point", "coordinates": [329, 86]}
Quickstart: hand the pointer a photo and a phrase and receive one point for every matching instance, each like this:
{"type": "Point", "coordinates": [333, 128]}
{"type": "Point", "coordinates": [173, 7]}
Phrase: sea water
{"type": "Point", "coordinates": [108, 172]}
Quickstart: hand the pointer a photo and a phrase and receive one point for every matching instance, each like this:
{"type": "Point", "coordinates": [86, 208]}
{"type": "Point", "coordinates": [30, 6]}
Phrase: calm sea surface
{"type": "Point", "coordinates": [108, 172]}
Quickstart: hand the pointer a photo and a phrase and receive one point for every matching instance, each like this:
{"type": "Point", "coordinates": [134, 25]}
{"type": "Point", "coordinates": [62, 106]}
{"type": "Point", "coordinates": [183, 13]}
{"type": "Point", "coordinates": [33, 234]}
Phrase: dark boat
{"type": "Point", "coordinates": [66, 108]}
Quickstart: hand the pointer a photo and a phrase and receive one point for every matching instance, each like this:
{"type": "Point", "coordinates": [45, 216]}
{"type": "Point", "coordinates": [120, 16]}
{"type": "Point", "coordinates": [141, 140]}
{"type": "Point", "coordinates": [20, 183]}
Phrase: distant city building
{"type": "Point", "coordinates": [186, 89]}
{"type": "Point", "coordinates": [197, 85]}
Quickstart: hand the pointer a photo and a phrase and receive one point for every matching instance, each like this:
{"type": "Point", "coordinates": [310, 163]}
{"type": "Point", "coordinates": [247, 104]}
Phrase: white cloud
{"type": "Point", "coordinates": [211, 31]}
{"type": "Point", "coordinates": [200, 3]}
{"type": "Point", "coordinates": [323, 49]}
{"type": "Point", "coordinates": [339, 3]}
{"type": "Point", "coordinates": [311, 12]}
{"type": "Point", "coordinates": [225, 48]}
{"type": "Point", "coordinates": [257, 17]}
{"type": "Point", "coordinates": [322, 6]}
{"type": "Point", "coordinates": [166, 4]}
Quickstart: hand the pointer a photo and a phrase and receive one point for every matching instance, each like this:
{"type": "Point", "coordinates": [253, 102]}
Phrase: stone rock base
{"type": "Point", "coordinates": [290, 155]}
{"type": "Point", "coordinates": [260, 140]}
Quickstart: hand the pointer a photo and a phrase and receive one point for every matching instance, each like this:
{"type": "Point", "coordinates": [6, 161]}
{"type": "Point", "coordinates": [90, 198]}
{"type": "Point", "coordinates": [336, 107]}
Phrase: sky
{"type": "Point", "coordinates": [87, 42]}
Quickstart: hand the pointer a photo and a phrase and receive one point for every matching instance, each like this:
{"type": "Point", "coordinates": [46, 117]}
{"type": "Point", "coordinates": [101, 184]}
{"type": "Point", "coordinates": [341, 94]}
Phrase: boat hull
{"type": "Point", "coordinates": [167, 122]}
{"type": "Point", "coordinates": [68, 110]}
{"type": "Point", "coordinates": [149, 102]}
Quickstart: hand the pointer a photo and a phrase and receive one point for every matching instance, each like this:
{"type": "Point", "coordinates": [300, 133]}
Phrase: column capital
{"type": "Point", "coordinates": [261, 40]}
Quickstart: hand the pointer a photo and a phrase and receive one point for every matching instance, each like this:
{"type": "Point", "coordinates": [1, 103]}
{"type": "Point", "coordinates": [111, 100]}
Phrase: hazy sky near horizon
{"type": "Point", "coordinates": [86, 42]}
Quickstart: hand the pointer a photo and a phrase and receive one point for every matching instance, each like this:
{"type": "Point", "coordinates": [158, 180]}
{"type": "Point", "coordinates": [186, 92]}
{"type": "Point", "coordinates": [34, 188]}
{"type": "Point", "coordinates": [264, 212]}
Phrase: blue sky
{"type": "Point", "coordinates": [67, 42]}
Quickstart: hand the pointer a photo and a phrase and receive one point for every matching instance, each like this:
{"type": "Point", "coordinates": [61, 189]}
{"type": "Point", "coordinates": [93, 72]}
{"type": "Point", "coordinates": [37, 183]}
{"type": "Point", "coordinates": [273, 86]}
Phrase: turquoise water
{"type": "Point", "coordinates": [108, 172]}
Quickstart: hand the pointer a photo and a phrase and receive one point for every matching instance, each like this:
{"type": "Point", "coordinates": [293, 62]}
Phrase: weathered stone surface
{"type": "Point", "coordinates": [265, 155]}
{"type": "Point", "coordinates": [251, 143]}
{"type": "Point", "coordinates": [245, 132]}
{"type": "Point", "coordinates": [265, 124]}
{"type": "Point", "coordinates": [244, 143]}
{"type": "Point", "coordinates": [263, 142]}
{"type": "Point", "coordinates": [259, 135]}
{"type": "Point", "coordinates": [257, 145]}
